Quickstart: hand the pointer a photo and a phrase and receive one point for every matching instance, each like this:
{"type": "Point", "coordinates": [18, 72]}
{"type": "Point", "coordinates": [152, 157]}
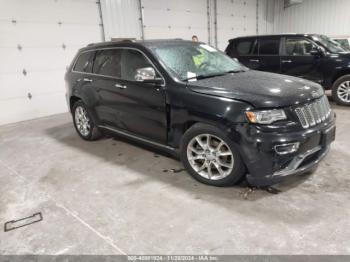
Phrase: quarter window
{"type": "Point", "coordinates": [83, 63]}
{"type": "Point", "coordinates": [133, 60]}
{"type": "Point", "coordinates": [298, 47]}
{"type": "Point", "coordinates": [108, 63]}
{"type": "Point", "coordinates": [269, 46]}
{"type": "Point", "coordinates": [244, 47]}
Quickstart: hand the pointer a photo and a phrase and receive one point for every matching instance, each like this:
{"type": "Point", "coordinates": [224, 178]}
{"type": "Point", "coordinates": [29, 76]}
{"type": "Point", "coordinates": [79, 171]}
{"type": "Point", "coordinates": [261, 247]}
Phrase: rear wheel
{"type": "Point", "coordinates": [84, 123]}
{"type": "Point", "coordinates": [341, 90]}
{"type": "Point", "coordinates": [210, 156]}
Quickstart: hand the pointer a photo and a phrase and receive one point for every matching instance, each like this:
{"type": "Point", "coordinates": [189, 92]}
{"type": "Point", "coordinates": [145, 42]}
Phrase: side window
{"type": "Point", "coordinates": [131, 61]}
{"type": "Point", "coordinates": [244, 47]}
{"type": "Point", "coordinates": [298, 47]}
{"type": "Point", "coordinates": [84, 62]}
{"type": "Point", "coordinates": [108, 63]}
{"type": "Point", "coordinates": [269, 46]}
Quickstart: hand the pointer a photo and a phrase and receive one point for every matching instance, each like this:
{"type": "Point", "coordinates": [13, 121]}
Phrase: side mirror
{"type": "Point", "coordinates": [317, 52]}
{"type": "Point", "coordinates": [147, 75]}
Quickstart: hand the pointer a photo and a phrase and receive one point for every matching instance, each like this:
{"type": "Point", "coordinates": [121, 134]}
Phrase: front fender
{"type": "Point", "coordinates": [187, 109]}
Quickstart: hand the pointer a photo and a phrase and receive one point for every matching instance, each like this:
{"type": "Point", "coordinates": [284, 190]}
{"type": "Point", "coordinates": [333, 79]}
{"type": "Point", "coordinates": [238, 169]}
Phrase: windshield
{"type": "Point", "coordinates": [191, 61]}
{"type": "Point", "coordinates": [344, 43]}
{"type": "Point", "coordinates": [330, 44]}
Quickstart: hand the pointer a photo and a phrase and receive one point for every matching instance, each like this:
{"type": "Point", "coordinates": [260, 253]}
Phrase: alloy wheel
{"type": "Point", "coordinates": [210, 156]}
{"type": "Point", "coordinates": [343, 91]}
{"type": "Point", "coordinates": [82, 121]}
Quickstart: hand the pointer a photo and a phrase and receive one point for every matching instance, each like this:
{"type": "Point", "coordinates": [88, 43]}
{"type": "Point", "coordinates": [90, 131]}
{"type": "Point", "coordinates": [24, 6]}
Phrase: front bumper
{"type": "Point", "coordinates": [266, 167]}
{"type": "Point", "coordinates": [291, 170]}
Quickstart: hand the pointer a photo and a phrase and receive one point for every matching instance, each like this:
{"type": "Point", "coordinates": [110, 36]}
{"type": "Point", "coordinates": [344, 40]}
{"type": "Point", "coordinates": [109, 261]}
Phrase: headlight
{"type": "Point", "coordinates": [265, 117]}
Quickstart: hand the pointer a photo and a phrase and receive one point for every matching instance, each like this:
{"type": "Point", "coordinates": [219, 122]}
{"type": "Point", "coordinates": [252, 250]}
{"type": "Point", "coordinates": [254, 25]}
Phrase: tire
{"type": "Point", "coordinates": [222, 151]}
{"type": "Point", "coordinates": [341, 90]}
{"type": "Point", "coordinates": [86, 130]}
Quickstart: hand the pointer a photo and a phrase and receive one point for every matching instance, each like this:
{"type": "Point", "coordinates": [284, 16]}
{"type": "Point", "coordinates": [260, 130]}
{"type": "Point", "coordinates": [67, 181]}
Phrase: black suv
{"type": "Point", "coordinates": [313, 57]}
{"type": "Point", "coordinates": [221, 118]}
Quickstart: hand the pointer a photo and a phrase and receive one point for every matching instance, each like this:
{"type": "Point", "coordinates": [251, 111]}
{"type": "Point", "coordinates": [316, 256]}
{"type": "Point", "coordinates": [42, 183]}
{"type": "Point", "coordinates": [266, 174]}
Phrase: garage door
{"type": "Point", "coordinates": [39, 38]}
{"type": "Point", "coordinates": [235, 18]}
{"type": "Point", "coordinates": [175, 19]}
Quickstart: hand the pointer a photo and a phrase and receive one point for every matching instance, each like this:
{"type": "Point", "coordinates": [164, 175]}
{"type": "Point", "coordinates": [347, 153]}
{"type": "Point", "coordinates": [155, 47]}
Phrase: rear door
{"type": "Point", "coordinates": [106, 74]}
{"type": "Point", "coordinates": [246, 51]}
{"type": "Point", "coordinates": [296, 59]}
{"type": "Point", "coordinates": [269, 54]}
{"type": "Point", "coordinates": [81, 78]}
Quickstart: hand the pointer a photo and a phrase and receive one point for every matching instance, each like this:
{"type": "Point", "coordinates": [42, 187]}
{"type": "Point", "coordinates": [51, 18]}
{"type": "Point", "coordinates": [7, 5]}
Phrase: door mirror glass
{"type": "Point", "coordinates": [145, 73]}
{"type": "Point", "coordinates": [315, 51]}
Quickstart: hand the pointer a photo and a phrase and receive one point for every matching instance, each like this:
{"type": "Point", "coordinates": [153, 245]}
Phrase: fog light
{"type": "Point", "coordinates": [287, 148]}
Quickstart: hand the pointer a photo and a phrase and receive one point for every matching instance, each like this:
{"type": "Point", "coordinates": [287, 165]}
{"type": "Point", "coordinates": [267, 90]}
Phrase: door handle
{"type": "Point", "coordinates": [121, 86]}
{"type": "Point", "coordinates": [286, 61]}
{"type": "Point", "coordinates": [254, 60]}
{"type": "Point", "coordinates": [87, 80]}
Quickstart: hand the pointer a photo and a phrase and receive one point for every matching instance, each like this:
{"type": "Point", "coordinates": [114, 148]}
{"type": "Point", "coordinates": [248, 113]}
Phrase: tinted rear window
{"type": "Point", "coordinates": [83, 63]}
{"type": "Point", "coordinates": [269, 46]}
{"type": "Point", "coordinates": [244, 47]}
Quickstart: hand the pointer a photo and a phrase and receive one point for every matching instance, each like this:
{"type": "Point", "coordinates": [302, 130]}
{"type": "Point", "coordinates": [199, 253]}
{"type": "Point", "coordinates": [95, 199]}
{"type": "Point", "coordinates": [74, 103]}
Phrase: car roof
{"type": "Point", "coordinates": [135, 43]}
{"type": "Point", "coordinates": [274, 35]}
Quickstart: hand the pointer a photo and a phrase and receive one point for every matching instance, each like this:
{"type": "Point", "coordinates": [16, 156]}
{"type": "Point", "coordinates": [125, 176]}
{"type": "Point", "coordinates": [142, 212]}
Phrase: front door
{"type": "Point", "coordinates": [127, 104]}
{"type": "Point", "coordinates": [296, 59]}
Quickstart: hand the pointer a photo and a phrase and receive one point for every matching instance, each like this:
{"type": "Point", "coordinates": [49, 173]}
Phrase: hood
{"type": "Point", "coordinates": [261, 89]}
{"type": "Point", "coordinates": [344, 55]}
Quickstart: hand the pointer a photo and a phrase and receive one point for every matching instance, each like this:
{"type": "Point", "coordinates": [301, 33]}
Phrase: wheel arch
{"type": "Point", "coordinates": [177, 130]}
{"type": "Point", "coordinates": [340, 74]}
{"type": "Point", "coordinates": [72, 101]}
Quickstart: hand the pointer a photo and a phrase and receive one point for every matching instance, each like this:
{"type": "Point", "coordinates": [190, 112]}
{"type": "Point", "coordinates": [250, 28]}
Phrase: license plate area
{"type": "Point", "coordinates": [328, 137]}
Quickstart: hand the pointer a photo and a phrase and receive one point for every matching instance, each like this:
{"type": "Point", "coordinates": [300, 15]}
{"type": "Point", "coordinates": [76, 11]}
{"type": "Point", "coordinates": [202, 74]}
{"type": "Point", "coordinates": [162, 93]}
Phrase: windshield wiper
{"type": "Point", "coordinates": [198, 77]}
{"type": "Point", "coordinates": [235, 71]}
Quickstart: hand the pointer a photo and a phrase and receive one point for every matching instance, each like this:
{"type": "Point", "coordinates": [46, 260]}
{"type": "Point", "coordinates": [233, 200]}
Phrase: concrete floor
{"type": "Point", "coordinates": [111, 197]}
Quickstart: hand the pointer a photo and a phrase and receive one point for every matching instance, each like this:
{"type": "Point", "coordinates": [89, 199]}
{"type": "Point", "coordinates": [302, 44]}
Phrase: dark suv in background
{"type": "Point", "coordinates": [310, 56]}
{"type": "Point", "coordinates": [192, 100]}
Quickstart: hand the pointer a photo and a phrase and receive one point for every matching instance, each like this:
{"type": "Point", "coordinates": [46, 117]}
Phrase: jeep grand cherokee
{"type": "Point", "coordinates": [223, 120]}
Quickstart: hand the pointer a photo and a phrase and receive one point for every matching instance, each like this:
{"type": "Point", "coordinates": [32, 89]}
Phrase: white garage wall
{"type": "Point", "coordinates": [121, 19]}
{"type": "Point", "coordinates": [40, 37]}
{"type": "Point", "coordinates": [183, 18]}
{"type": "Point", "coordinates": [175, 19]}
{"type": "Point", "coordinates": [330, 17]}
{"type": "Point", "coordinates": [235, 18]}
{"type": "Point", "coordinates": [266, 16]}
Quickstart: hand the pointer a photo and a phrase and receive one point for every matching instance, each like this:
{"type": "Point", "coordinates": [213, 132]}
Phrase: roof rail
{"type": "Point", "coordinates": [117, 39]}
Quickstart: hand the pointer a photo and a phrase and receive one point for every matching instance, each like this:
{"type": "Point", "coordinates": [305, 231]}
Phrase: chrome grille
{"type": "Point", "coordinates": [315, 113]}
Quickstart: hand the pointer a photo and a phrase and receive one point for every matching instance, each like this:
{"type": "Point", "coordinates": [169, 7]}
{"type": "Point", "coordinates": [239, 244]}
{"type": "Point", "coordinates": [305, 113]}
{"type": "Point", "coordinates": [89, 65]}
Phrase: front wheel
{"type": "Point", "coordinates": [211, 157]}
{"type": "Point", "coordinates": [341, 90]}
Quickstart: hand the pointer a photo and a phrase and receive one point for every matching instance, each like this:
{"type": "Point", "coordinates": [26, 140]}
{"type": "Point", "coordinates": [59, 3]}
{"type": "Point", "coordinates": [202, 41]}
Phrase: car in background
{"type": "Point", "coordinates": [309, 56]}
{"type": "Point", "coordinates": [344, 42]}
{"type": "Point", "coordinates": [222, 119]}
